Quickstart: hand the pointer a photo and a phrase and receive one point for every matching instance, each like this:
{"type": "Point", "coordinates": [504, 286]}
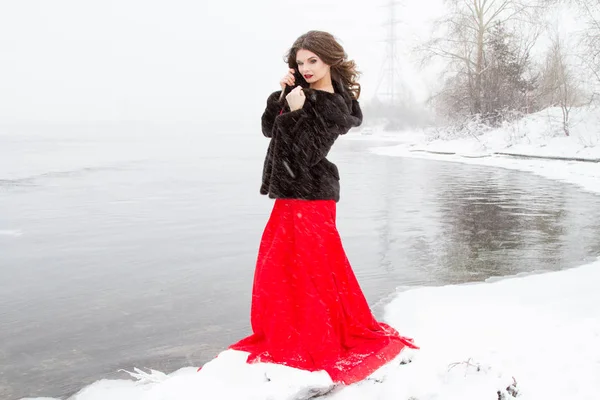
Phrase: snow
{"type": "Point", "coordinates": [542, 330]}
{"type": "Point", "coordinates": [536, 135]}
{"type": "Point", "coordinates": [535, 336]}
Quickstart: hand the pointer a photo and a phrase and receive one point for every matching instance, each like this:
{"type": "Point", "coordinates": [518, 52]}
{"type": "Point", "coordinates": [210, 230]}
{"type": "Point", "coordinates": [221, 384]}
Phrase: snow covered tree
{"type": "Point", "coordinates": [482, 55]}
{"type": "Point", "coordinates": [558, 86]}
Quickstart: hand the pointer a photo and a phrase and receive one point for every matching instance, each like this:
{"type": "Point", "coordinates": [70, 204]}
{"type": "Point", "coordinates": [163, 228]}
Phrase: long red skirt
{"type": "Point", "coordinates": [308, 310]}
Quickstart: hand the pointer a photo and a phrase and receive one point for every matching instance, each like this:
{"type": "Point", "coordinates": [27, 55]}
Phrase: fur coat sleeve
{"type": "Point", "coordinates": [272, 110]}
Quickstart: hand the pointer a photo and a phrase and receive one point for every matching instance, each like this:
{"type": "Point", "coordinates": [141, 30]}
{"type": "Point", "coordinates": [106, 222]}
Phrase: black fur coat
{"type": "Point", "coordinates": [296, 166]}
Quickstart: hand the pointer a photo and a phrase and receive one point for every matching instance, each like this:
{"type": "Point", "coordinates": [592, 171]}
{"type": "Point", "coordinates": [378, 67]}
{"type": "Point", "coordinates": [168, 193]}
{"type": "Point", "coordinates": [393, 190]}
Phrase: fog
{"type": "Point", "coordinates": [182, 60]}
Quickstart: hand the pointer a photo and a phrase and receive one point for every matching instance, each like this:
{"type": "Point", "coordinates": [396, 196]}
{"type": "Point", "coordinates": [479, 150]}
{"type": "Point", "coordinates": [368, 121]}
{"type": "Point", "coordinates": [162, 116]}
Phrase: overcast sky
{"type": "Point", "coordinates": [175, 60]}
{"type": "Point", "coordinates": [180, 60]}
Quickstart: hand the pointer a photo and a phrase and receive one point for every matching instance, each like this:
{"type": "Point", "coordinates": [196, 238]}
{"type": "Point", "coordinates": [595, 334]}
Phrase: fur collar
{"type": "Point", "coordinates": [339, 107]}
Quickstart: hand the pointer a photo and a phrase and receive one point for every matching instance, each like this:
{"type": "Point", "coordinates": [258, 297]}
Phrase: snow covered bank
{"type": "Point", "coordinates": [542, 330]}
{"type": "Point", "coordinates": [539, 134]}
{"type": "Point", "coordinates": [585, 175]}
{"type": "Point", "coordinates": [536, 135]}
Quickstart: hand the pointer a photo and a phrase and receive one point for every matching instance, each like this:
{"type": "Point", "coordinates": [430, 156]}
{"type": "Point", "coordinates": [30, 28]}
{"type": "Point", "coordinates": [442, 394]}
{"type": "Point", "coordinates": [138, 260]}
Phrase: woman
{"type": "Point", "coordinates": [308, 310]}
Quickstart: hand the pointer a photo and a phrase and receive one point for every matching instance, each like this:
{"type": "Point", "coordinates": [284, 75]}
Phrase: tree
{"type": "Point", "coordinates": [589, 37]}
{"type": "Point", "coordinates": [504, 85]}
{"type": "Point", "coordinates": [465, 35]}
{"type": "Point", "coordinates": [558, 84]}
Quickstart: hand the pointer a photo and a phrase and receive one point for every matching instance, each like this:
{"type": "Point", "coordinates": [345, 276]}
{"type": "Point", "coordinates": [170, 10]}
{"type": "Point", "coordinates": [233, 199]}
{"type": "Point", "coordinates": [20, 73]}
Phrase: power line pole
{"type": "Point", "coordinates": [388, 74]}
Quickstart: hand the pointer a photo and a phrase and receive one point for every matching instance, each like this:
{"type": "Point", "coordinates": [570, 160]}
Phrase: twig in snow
{"type": "Point", "coordinates": [467, 363]}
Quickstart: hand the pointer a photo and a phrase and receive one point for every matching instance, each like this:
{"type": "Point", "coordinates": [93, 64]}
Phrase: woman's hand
{"type": "Point", "coordinates": [288, 79]}
{"type": "Point", "coordinates": [296, 98]}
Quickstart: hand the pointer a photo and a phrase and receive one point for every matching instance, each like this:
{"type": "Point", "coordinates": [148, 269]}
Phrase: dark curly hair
{"type": "Point", "coordinates": [325, 45]}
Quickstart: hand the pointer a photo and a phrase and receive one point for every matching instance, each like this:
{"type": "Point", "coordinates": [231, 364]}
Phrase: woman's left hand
{"type": "Point", "coordinates": [296, 98]}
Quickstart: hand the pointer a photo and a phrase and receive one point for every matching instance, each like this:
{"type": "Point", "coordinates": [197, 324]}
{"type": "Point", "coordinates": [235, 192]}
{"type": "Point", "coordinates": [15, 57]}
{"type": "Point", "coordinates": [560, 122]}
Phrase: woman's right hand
{"type": "Point", "coordinates": [288, 79]}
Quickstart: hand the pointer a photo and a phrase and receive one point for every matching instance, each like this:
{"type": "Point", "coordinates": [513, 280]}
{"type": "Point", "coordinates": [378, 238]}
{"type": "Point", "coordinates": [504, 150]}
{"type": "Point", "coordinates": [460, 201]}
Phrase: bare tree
{"type": "Point", "coordinates": [559, 87]}
{"type": "Point", "coordinates": [463, 36]}
{"type": "Point", "coordinates": [589, 36]}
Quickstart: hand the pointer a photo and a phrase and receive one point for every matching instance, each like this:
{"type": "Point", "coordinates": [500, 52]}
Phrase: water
{"type": "Point", "coordinates": [126, 246]}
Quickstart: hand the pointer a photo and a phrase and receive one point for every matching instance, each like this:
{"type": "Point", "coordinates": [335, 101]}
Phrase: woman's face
{"type": "Point", "coordinates": [310, 66]}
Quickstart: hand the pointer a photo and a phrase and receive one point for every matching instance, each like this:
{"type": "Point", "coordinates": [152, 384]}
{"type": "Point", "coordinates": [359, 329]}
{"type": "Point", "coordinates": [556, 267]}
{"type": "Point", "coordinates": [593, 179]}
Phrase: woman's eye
{"type": "Point", "coordinates": [313, 61]}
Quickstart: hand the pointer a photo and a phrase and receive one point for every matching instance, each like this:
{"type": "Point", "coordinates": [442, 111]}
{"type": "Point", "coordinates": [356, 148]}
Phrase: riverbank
{"type": "Point", "coordinates": [537, 336]}
{"type": "Point", "coordinates": [535, 144]}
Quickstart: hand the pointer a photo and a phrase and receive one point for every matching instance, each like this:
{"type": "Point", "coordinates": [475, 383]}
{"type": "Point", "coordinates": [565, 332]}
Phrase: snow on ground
{"type": "Point", "coordinates": [541, 331]}
{"type": "Point", "coordinates": [537, 135]}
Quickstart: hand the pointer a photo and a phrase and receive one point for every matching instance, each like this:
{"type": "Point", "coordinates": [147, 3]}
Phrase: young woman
{"type": "Point", "coordinates": [308, 310]}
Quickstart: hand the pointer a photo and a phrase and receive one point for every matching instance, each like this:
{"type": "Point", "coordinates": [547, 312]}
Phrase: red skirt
{"type": "Point", "coordinates": [308, 310]}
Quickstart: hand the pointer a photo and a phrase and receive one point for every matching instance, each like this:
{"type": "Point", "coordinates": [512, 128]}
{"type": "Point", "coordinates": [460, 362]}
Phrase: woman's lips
{"type": "Point", "coordinates": [308, 76]}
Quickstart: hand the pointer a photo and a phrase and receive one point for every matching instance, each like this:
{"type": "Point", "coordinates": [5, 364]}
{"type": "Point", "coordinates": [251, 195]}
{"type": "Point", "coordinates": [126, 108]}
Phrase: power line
{"type": "Point", "coordinates": [390, 73]}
